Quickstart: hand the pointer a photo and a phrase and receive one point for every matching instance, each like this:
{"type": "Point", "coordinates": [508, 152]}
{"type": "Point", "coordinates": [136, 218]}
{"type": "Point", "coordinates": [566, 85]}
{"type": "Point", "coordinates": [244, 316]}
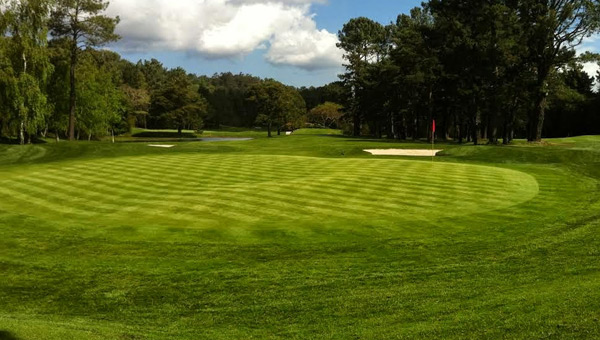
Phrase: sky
{"type": "Point", "coordinates": [293, 41]}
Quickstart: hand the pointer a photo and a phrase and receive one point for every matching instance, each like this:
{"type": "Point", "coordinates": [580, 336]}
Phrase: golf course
{"type": "Point", "coordinates": [299, 237]}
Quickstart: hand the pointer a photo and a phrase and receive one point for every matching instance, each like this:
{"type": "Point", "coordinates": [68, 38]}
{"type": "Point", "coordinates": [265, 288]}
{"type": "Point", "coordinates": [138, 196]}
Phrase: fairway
{"type": "Point", "coordinates": [299, 237]}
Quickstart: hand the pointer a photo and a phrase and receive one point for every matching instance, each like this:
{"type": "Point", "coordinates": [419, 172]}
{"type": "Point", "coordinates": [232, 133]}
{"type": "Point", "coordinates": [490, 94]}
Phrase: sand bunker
{"type": "Point", "coordinates": [403, 152]}
{"type": "Point", "coordinates": [161, 146]}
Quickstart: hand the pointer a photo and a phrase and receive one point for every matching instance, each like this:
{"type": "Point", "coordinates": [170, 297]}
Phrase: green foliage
{"type": "Point", "coordinates": [552, 29]}
{"type": "Point", "coordinates": [155, 74]}
{"type": "Point", "coordinates": [365, 43]}
{"type": "Point", "coordinates": [327, 114]}
{"type": "Point", "coordinates": [314, 96]}
{"type": "Point", "coordinates": [24, 67]}
{"type": "Point", "coordinates": [137, 104]}
{"type": "Point", "coordinates": [58, 89]}
{"type": "Point", "coordinates": [100, 102]}
{"type": "Point", "coordinates": [279, 106]}
{"type": "Point", "coordinates": [82, 21]}
{"type": "Point", "coordinates": [481, 69]}
{"type": "Point", "coordinates": [80, 24]}
{"type": "Point", "coordinates": [226, 94]}
{"type": "Point", "coordinates": [572, 104]}
{"type": "Point", "coordinates": [178, 103]}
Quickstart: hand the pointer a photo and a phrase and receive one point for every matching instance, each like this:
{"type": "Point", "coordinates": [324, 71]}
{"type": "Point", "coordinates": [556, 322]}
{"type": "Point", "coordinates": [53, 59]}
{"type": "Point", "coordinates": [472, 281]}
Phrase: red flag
{"type": "Point", "coordinates": [433, 126]}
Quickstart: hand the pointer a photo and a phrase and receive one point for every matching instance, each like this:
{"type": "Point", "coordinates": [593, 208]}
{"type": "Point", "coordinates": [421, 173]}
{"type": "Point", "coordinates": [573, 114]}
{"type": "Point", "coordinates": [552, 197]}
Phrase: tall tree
{"type": "Point", "coordinates": [415, 71]}
{"type": "Point", "coordinates": [363, 41]}
{"type": "Point", "coordinates": [101, 103]}
{"type": "Point", "coordinates": [178, 103]}
{"type": "Point", "coordinates": [553, 29]}
{"type": "Point", "coordinates": [25, 65]}
{"type": "Point", "coordinates": [276, 104]}
{"type": "Point", "coordinates": [81, 24]}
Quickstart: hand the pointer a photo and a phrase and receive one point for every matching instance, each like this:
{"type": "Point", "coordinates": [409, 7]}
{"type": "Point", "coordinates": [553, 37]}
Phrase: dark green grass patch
{"type": "Point", "coordinates": [164, 134]}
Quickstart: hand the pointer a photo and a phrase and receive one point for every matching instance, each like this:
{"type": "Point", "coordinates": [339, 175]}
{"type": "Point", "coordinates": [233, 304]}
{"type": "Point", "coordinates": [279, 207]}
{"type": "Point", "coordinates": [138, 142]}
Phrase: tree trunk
{"type": "Point", "coordinates": [492, 128]}
{"type": "Point", "coordinates": [22, 122]}
{"type": "Point", "coordinates": [483, 130]}
{"type": "Point", "coordinates": [475, 131]}
{"type": "Point", "coordinates": [356, 124]}
{"type": "Point", "coordinates": [476, 122]}
{"type": "Point", "coordinates": [404, 134]}
{"type": "Point", "coordinates": [446, 126]}
{"type": "Point", "coordinates": [57, 136]}
{"type": "Point", "coordinates": [505, 140]}
{"type": "Point", "coordinates": [179, 130]}
{"type": "Point", "coordinates": [72, 94]}
{"type": "Point", "coordinates": [279, 131]}
{"type": "Point", "coordinates": [416, 128]}
{"type": "Point", "coordinates": [22, 132]}
{"type": "Point", "coordinates": [492, 123]}
{"type": "Point", "coordinates": [269, 129]}
{"type": "Point", "coordinates": [509, 120]}
{"type": "Point", "coordinates": [536, 120]}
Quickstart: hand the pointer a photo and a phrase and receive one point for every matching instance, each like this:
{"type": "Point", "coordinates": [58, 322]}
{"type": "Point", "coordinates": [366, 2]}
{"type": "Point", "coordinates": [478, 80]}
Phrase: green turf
{"type": "Point", "coordinates": [299, 237]}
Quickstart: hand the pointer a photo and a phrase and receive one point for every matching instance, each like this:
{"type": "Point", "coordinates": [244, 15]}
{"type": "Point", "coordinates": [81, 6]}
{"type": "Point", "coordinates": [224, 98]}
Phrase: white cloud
{"type": "Point", "coordinates": [592, 69]}
{"type": "Point", "coordinates": [591, 44]}
{"type": "Point", "coordinates": [305, 46]}
{"type": "Point", "coordinates": [228, 29]}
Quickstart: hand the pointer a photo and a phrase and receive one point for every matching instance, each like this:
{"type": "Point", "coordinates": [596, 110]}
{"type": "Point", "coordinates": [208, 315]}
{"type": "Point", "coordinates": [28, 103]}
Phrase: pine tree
{"type": "Point", "coordinates": [81, 25]}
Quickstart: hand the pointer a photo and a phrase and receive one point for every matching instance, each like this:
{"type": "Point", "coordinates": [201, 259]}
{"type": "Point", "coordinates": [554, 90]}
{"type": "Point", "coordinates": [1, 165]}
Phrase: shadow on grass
{"type": "Point", "coordinates": [368, 139]}
{"type": "Point", "coordinates": [15, 141]}
{"type": "Point", "coordinates": [164, 134]}
{"type": "Point", "coordinates": [6, 335]}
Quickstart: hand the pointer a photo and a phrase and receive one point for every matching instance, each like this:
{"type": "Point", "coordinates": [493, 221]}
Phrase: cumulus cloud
{"type": "Point", "coordinates": [228, 29]}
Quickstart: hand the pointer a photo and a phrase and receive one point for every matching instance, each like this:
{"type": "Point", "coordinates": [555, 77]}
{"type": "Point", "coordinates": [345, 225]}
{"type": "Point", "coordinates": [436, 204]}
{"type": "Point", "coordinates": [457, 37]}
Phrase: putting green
{"type": "Point", "coordinates": [205, 191]}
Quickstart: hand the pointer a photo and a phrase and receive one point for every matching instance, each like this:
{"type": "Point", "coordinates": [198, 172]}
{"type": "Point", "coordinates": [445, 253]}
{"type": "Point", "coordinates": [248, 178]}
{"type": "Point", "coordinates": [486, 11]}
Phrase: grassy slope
{"type": "Point", "coordinates": [299, 237]}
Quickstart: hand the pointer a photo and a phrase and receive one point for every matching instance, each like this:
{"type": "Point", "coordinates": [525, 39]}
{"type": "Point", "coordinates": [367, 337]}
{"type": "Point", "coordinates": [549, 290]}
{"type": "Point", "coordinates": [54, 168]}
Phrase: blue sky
{"type": "Point", "coordinates": [292, 41]}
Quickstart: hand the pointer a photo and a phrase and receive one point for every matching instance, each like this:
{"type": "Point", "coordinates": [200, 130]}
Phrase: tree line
{"type": "Point", "coordinates": [56, 79]}
{"type": "Point", "coordinates": [482, 69]}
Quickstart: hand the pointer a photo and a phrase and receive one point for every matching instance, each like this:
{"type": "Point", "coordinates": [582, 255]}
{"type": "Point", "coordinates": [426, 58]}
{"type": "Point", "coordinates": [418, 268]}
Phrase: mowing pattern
{"type": "Point", "coordinates": [240, 191]}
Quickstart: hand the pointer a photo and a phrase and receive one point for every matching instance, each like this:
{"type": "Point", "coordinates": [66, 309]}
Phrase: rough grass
{"type": "Point", "coordinates": [299, 237]}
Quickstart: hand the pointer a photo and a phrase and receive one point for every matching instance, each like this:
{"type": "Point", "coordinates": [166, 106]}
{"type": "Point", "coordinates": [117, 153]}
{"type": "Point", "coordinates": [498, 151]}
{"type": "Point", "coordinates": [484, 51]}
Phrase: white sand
{"type": "Point", "coordinates": [404, 152]}
{"type": "Point", "coordinates": [161, 146]}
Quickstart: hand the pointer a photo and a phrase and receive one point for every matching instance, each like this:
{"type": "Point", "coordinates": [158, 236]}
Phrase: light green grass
{"type": "Point", "coordinates": [299, 237]}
